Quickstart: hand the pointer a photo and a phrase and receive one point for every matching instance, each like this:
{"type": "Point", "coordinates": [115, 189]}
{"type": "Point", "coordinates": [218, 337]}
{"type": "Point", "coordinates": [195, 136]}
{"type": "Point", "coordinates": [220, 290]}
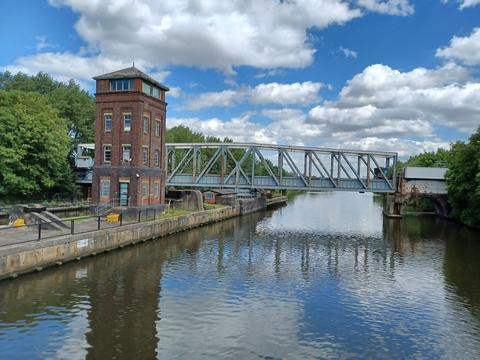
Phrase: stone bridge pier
{"type": "Point", "coordinates": [416, 183]}
{"type": "Point", "coordinates": [394, 204]}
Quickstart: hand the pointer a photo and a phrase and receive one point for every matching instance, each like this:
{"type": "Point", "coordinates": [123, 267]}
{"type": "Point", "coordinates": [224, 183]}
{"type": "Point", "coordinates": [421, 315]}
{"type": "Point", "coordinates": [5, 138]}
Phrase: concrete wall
{"type": "Point", "coordinates": [35, 255]}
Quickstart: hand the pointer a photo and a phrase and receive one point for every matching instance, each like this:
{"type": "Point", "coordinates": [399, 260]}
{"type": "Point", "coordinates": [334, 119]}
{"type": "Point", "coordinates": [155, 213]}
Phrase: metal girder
{"type": "Point", "coordinates": [266, 166]}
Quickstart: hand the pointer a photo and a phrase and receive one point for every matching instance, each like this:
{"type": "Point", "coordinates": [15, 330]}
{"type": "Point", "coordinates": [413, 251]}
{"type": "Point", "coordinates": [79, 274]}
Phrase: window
{"type": "Point", "coordinates": [209, 195]}
{"type": "Point", "coordinates": [150, 90]}
{"type": "Point", "coordinates": [145, 189]}
{"type": "Point", "coordinates": [121, 84]}
{"type": "Point", "coordinates": [156, 190]}
{"type": "Point", "coordinates": [156, 158]}
{"type": "Point", "coordinates": [126, 153]}
{"type": "Point", "coordinates": [107, 120]}
{"type": "Point", "coordinates": [158, 124]}
{"type": "Point", "coordinates": [107, 153]}
{"type": "Point", "coordinates": [104, 188]}
{"type": "Point", "coordinates": [145, 124]}
{"type": "Point", "coordinates": [145, 155]}
{"type": "Point", "coordinates": [127, 122]}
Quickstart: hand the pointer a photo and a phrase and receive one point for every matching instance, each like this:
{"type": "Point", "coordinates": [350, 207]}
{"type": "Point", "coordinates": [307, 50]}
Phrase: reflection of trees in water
{"type": "Point", "coordinates": [461, 265]}
{"type": "Point", "coordinates": [123, 288]}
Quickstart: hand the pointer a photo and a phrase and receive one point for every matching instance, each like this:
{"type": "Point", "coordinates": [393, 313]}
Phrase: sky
{"type": "Point", "coordinates": [392, 75]}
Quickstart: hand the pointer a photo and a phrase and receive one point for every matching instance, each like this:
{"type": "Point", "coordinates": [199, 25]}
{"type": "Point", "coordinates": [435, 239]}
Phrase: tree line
{"type": "Point", "coordinates": [42, 120]}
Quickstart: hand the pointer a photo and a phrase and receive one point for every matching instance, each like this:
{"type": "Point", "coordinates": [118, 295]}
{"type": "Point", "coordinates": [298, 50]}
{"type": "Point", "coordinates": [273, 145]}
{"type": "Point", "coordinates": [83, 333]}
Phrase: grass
{"type": "Point", "coordinates": [213, 206]}
{"type": "Point", "coordinates": [169, 213]}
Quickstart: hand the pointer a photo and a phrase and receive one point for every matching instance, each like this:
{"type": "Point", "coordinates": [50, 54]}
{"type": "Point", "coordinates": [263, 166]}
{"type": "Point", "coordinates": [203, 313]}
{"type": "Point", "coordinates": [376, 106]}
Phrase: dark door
{"type": "Point", "coordinates": [124, 193]}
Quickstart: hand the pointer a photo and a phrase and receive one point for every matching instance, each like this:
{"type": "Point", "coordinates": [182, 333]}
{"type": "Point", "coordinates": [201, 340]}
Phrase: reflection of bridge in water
{"type": "Point", "coordinates": [121, 292]}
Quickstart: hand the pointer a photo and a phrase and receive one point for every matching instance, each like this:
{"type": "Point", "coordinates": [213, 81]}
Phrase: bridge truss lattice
{"type": "Point", "coordinates": [260, 166]}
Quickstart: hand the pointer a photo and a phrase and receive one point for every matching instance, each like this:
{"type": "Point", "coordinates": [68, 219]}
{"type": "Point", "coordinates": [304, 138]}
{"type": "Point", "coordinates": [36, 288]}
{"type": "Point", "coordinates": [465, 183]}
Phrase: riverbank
{"type": "Point", "coordinates": [21, 258]}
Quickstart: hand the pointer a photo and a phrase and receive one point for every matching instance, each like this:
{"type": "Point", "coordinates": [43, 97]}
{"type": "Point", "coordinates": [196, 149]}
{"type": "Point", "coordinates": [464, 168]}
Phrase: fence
{"type": "Point", "coordinates": [46, 230]}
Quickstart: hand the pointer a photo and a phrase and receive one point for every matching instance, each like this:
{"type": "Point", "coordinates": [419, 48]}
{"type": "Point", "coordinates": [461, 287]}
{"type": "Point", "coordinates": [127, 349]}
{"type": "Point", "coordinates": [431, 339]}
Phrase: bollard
{"type": "Point", "coordinates": [121, 219]}
{"type": "Point", "coordinates": [39, 231]}
{"type": "Point", "coordinates": [98, 222]}
{"type": "Point", "coordinates": [72, 226]}
{"type": "Point", "coordinates": [139, 214]}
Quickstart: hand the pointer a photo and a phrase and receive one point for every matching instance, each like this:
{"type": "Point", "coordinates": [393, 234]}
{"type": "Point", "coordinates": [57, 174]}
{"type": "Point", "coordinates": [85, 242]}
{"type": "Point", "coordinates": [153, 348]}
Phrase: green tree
{"type": "Point", "coordinates": [75, 105]}
{"type": "Point", "coordinates": [440, 158]}
{"type": "Point", "coordinates": [463, 180]}
{"type": "Point", "coordinates": [34, 146]}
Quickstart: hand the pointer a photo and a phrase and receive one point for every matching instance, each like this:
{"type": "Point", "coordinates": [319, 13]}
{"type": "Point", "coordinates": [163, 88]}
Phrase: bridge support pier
{"type": "Point", "coordinates": [392, 204]}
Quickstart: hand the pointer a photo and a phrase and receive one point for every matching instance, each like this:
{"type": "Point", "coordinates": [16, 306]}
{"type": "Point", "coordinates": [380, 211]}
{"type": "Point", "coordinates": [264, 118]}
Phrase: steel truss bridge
{"type": "Point", "coordinates": [261, 166]}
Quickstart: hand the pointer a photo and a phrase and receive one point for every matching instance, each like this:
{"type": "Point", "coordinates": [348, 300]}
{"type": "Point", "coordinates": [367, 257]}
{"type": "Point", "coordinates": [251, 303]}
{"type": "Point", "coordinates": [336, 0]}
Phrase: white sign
{"type": "Point", "coordinates": [82, 243]}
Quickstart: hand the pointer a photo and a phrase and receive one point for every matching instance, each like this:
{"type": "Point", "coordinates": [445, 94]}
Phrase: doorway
{"type": "Point", "coordinates": [124, 193]}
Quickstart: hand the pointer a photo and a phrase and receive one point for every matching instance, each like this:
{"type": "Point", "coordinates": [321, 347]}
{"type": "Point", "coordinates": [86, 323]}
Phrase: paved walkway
{"type": "Point", "coordinates": [15, 235]}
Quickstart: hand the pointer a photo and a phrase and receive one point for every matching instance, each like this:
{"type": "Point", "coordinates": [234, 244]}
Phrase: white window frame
{"type": "Point", "coordinates": [145, 189]}
{"type": "Point", "coordinates": [130, 125]}
{"type": "Point", "coordinates": [110, 117]}
{"type": "Point", "coordinates": [156, 157]}
{"type": "Point", "coordinates": [104, 153]}
{"type": "Point", "coordinates": [145, 157]}
{"type": "Point", "coordinates": [156, 189]}
{"type": "Point", "coordinates": [124, 146]}
{"type": "Point", "coordinates": [146, 124]}
{"type": "Point", "coordinates": [104, 190]}
{"type": "Point", "coordinates": [158, 126]}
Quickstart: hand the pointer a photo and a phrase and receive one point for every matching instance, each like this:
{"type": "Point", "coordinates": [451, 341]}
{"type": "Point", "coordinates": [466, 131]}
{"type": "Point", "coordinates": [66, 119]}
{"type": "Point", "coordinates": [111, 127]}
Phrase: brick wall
{"type": "Point", "coordinates": [135, 172]}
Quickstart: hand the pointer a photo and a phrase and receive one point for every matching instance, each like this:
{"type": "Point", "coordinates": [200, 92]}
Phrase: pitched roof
{"type": "Point", "coordinates": [130, 73]}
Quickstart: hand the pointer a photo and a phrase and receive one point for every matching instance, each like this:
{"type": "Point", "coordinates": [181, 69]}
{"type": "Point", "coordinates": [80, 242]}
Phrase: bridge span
{"type": "Point", "coordinates": [264, 166]}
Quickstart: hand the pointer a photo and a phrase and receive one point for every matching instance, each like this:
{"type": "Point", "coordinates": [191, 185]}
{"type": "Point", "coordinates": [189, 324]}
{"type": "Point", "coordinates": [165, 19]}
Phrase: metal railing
{"type": "Point", "coordinates": [10, 235]}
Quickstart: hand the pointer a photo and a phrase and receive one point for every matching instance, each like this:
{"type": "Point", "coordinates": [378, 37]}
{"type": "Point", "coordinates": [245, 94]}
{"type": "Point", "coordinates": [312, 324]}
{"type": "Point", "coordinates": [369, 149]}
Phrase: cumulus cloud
{"type": "Point", "coordinates": [391, 7]}
{"type": "Point", "coordinates": [382, 96]}
{"type": "Point", "coordinates": [379, 108]}
{"type": "Point", "coordinates": [268, 93]}
{"type": "Point", "coordinates": [465, 49]}
{"type": "Point", "coordinates": [209, 34]}
{"type": "Point", "coordinates": [65, 66]}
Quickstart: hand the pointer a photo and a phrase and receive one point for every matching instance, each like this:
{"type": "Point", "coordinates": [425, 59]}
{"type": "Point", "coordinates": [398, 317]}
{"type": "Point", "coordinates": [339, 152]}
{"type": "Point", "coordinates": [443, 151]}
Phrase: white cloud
{"type": "Point", "coordinates": [348, 52]}
{"type": "Point", "coordinates": [241, 129]}
{"type": "Point", "coordinates": [391, 7]}
{"type": "Point", "coordinates": [469, 3]}
{"type": "Point", "coordinates": [403, 147]}
{"type": "Point", "coordinates": [267, 93]}
{"type": "Point", "coordinates": [382, 96]}
{"type": "Point", "coordinates": [224, 98]}
{"type": "Point", "coordinates": [66, 66]}
{"type": "Point", "coordinates": [42, 43]}
{"type": "Point", "coordinates": [209, 34]}
{"type": "Point", "coordinates": [380, 109]}
{"type": "Point", "coordinates": [175, 92]}
{"type": "Point", "coordinates": [465, 49]}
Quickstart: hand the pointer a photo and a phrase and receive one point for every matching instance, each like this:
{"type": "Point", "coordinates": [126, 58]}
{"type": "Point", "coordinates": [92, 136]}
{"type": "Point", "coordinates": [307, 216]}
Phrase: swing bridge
{"type": "Point", "coordinates": [264, 166]}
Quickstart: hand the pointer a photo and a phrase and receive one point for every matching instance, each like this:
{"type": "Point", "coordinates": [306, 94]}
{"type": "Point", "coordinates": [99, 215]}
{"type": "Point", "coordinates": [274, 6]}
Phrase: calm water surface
{"type": "Point", "coordinates": [324, 277]}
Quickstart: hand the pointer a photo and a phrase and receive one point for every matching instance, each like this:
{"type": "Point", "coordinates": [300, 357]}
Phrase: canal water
{"type": "Point", "coordinates": [324, 277]}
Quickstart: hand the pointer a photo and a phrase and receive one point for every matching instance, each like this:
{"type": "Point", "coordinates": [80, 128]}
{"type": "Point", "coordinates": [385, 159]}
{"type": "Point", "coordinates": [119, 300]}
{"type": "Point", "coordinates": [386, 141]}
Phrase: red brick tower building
{"type": "Point", "coordinates": [129, 140]}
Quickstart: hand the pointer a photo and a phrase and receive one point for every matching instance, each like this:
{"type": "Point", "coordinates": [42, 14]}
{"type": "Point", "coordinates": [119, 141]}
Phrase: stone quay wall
{"type": "Point", "coordinates": [31, 256]}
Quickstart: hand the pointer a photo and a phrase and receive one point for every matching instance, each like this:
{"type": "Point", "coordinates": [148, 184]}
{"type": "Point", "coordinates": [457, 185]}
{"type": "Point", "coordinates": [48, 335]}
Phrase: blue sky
{"type": "Point", "coordinates": [397, 75]}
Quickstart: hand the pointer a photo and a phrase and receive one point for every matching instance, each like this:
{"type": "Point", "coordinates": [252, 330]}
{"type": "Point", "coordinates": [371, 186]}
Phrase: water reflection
{"type": "Point", "coordinates": [324, 277]}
